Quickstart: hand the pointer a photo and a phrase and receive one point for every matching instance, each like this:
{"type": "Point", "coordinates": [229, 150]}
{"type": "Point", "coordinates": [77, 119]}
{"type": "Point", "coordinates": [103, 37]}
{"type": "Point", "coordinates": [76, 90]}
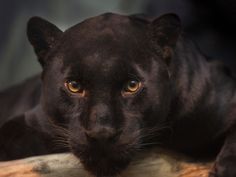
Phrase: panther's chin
{"type": "Point", "coordinates": [104, 161]}
{"type": "Point", "coordinates": [105, 167]}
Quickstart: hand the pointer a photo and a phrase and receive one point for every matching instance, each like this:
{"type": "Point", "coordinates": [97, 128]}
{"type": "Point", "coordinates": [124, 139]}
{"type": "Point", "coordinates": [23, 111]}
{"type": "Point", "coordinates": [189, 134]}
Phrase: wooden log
{"type": "Point", "coordinates": [154, 163]}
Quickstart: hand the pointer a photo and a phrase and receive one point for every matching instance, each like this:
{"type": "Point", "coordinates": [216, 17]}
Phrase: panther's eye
{"type": "Point", "coordinates": [75, 87]}
{"type": "Point", "coordinates": [131, 87]}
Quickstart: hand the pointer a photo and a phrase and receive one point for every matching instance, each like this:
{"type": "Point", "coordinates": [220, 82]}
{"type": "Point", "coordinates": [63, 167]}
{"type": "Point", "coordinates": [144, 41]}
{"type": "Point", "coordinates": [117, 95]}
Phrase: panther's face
{"type": "Point", "coordinates": [106, 82]}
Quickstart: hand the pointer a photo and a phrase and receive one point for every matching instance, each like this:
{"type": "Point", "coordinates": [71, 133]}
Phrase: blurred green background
{"type": "Point", "coordinates": [17, 60]}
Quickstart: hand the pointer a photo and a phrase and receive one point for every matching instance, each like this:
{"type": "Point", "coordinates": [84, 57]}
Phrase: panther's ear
{"type": "Point", "coordinates": [43, 35]}
{"type": "Point", "coordinates": [166, 29]}
{"type": "Point", "coordinates": [165, 32]}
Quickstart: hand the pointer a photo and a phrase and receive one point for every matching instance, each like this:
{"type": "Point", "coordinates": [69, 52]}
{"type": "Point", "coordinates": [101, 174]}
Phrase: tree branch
{"type": "Point", "coordinates": [152, 163]}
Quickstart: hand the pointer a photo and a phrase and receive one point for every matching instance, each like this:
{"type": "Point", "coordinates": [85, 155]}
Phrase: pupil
{"type": "Point", "coordinates": [75, 84]}
{"type": "Point", "coordinates": [133, 84]}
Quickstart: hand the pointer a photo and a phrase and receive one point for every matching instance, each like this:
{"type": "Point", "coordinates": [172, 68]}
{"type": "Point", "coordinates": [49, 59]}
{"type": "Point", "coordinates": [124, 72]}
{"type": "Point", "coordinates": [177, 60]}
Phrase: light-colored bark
{"type": "Point", "coordinates": [154, 163]}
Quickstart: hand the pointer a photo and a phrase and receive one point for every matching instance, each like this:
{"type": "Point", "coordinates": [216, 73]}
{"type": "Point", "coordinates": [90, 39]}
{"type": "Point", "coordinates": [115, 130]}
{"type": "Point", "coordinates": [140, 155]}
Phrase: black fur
{"type": "Point", "coordinates": [186, 101]}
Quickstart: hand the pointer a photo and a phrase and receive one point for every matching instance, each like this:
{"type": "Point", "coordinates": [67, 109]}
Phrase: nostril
{"type": "Point", "coordinates": [104, 120]}
{"type": "Point", "coordinates": [89, 136]}
{"type": "Point", "coordinates": [115, 137]}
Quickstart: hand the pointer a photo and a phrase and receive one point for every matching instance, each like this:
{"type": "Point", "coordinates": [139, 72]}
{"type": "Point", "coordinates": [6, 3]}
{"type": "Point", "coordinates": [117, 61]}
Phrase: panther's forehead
{"type": "Point", "coordinates": [100, 67]}
{"type": "Point", "coordinates": [108, 23]}
{"type": "Point", "coordinates": [106, 32]}
{"type": "Point", "coordinates": [104, 46]}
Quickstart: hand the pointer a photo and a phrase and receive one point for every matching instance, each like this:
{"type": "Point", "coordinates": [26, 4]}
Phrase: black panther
{"type": "Point", "coordinates": [112, 85]}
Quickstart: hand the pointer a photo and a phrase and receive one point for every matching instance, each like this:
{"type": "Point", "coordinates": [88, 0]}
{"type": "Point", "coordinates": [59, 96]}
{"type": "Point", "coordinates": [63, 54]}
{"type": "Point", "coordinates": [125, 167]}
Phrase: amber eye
{"type": "Point", "coordinates": [75, 87]}
{"type": "Point", "coordinates": [131, 87]}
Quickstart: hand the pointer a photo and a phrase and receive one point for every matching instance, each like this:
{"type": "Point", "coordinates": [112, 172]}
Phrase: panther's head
{"type": "Point", "coordinates": [106, 81]}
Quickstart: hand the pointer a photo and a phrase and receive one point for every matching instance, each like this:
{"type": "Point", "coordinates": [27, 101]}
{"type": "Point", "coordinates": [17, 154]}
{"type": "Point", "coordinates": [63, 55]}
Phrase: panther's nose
{"type": "Point", "coordinates": [102, 134]}
{"type": "Point", "coordinates": [101, 124]}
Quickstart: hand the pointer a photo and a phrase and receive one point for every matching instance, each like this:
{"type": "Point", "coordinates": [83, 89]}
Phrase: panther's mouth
{"type": "Point", "coordinates": [104, 160]}
{"type": "Point", "coordinates": [106, 157]}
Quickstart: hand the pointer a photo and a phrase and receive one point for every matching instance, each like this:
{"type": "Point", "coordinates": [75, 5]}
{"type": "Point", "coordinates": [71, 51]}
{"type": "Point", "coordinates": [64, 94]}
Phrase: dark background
{"type": "Point", "coordinates": [211, 24]}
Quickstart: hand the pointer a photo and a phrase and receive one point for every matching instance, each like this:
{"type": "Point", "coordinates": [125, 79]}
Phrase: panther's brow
{"type": "Point", "coordinates": [145, 73]}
